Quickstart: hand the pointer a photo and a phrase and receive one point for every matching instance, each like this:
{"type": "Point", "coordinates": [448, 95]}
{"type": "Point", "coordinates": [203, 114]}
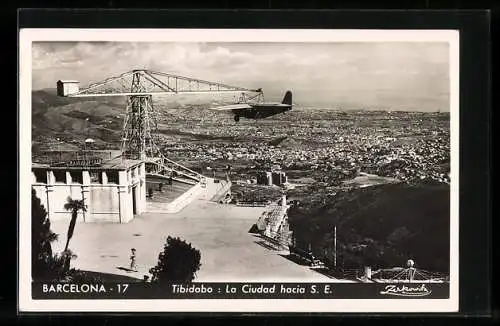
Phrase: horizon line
{"type": "Point", "coordinates": [321, 105]}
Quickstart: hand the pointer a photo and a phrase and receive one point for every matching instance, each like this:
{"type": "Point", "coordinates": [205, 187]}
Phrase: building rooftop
{"type": "Point", "coordinates": [39, 165]}
{"type": "Point", "coordinates": [120, 164]}
{"type": "Point", "coordinates": [68, 81]}
{"type": "Point", "coordinates": [117, 163]}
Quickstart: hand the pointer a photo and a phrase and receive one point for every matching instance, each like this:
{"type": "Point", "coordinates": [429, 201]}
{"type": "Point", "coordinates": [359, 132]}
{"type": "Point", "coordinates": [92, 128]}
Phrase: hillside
{"type": "Point", "coordinates": [72, 120]}
{"type": "Point", "coordinates": [381, 226]}
{"type": "Point", "coordinates": [66, 118]}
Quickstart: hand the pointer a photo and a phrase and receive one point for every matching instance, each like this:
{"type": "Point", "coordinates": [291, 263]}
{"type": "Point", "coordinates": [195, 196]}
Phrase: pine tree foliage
{"type": "Point", "coordinates": [177, 263]}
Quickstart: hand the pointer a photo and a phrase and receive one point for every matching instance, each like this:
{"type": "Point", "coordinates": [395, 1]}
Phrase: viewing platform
{"type": "Point", "coordinates": [172, 198]}
{"type": "Point", "coordinates": [163, 191]}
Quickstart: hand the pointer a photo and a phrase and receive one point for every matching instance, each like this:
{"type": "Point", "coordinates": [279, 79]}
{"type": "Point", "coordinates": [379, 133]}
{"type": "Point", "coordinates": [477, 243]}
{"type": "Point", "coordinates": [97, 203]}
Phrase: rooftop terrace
{"type": "Point", "coordinates": [105, 160]}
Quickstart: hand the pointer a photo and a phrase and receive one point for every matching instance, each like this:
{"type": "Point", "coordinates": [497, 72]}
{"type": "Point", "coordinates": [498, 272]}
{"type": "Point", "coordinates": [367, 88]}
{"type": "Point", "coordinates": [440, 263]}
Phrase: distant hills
{"type": "Point", "coordinates": [381, 226]}
{"type": "Point", "coordinates": [72, 120]}
{"type": "Point", "coordinates": [64, 123]}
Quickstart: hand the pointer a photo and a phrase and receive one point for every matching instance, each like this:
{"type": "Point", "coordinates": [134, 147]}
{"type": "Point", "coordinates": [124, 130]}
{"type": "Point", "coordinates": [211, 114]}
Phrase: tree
{"type": "Point", "coordinates": [41, 239]}
{"type": "Point", "coordinates": [73, 205]}
{"type": "Point", "coordinates": [178, 262]}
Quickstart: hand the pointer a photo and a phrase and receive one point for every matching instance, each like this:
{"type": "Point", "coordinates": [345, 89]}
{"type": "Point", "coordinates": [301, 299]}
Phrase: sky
{"type": "Point", "coordinates": [371, 75]}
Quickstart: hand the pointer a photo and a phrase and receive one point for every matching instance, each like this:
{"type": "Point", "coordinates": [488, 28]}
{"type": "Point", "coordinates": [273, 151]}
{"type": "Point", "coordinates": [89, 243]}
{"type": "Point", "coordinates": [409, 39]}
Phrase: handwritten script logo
{"type": "Point", "coordinates": [406, 291]}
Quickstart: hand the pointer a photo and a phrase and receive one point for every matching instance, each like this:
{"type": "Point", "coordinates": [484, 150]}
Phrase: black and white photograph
{"type": "Point", "coordinates": [238, 170]}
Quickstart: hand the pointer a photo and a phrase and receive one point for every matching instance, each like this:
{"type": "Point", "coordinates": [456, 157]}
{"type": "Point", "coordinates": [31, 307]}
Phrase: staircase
{"type": "Point", "coordinates": [275, 219]}
{"type": "Point", "coordinates": [175, 202]}
{"type": "Point", "coordinates": [163, 191]}
{"type": "Point", "coordinates": [221, 190]}
{"type": "Point", "coordinates": [162, 167]}
{"type": "Point", "coordinates": [175, 197]}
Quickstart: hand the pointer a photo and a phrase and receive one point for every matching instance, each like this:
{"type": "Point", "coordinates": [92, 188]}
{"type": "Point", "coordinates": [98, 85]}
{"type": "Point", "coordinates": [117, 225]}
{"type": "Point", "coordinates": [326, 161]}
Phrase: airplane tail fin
{"type": "Point", "coordinates": [288, 98]}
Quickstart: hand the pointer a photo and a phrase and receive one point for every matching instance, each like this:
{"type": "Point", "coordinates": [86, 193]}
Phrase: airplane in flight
{"type": "Point", "coordinates": [257, 110]}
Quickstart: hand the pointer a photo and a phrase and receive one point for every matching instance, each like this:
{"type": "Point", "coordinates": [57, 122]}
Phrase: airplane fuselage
{"type": "Point", "coordinates": [258, 110]}
{"type": "Point", "coordinates": [261, 111]}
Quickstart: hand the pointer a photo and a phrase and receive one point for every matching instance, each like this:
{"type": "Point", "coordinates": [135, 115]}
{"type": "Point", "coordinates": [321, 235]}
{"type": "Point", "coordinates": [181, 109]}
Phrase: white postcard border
{"type": "Point", "coordinates": [27, 304]}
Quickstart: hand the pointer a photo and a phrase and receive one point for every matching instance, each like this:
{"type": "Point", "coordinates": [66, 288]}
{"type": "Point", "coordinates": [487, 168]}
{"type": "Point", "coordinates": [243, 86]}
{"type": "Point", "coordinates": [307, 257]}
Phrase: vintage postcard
{"type": "Point", "coordinates": [185, 170]}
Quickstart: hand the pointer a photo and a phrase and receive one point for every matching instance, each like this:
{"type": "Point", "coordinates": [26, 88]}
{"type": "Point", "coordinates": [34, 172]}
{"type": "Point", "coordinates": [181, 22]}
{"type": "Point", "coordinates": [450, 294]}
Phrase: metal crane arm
{"type": "Point", "coordinates": [219, 86]}
{"type": "Point", "coordinates": [152, 83]}
{"type": "Point", "coordinates": [138, 139]}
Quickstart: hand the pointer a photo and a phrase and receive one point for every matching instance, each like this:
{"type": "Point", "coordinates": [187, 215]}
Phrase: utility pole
{"type": "Point", "coordinates": [85, 149]}
{"type": "Point", "coordinates": [335, 246]}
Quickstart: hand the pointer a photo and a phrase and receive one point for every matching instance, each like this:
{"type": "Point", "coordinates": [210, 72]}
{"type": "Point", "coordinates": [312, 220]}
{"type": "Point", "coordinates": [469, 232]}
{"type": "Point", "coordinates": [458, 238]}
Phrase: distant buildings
{"type": "Point", "coordinates": [270, 178]}
{"type": "Point", "coordinates": [278, 178]}
{"type": "Point", "coordinates": [409, 147]}
{"type": "Point", "coordinates": [264, 178]}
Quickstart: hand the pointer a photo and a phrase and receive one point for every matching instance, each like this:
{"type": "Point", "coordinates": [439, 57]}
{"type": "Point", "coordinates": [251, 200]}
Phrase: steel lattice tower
{"type": "Point", "coordinates": [140, 123]}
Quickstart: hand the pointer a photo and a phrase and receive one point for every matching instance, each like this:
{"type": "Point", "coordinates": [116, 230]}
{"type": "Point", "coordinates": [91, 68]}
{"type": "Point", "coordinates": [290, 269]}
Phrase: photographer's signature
{"type": "Point", "coordinates": [406, 290]}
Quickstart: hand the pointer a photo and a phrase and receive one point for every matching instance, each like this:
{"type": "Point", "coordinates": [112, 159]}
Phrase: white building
{"type": "Point", "coordinates": [67, 87]}
{"type": "Point", "coordinates": [113, 190]}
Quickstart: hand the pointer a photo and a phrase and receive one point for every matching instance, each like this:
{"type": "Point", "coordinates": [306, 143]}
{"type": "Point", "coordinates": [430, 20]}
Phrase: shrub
{"type": "Point", "coordinates": [44, 265]}
{"type": "Point", "coordinates": [178, 262]}
{"type": "Point", "coordinates": [77, 276]}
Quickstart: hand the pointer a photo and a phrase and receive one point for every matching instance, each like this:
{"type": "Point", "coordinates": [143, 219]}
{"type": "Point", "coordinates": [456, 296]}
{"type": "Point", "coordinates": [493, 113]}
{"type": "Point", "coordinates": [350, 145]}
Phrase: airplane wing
{"type": "Point", "coordinates": [231, 107]}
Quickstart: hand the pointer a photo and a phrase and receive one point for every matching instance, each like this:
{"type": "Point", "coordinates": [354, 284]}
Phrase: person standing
{"type": "Point", "coordinates": [133, 264]}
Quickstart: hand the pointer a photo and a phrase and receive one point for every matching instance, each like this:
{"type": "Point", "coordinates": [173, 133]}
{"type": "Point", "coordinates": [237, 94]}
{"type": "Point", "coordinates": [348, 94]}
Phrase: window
{"type": "Point", "coordinates": [40, 176]}
{"type": "Point", "coordinates": [112, 176]}
{"type": "Point", "coordinates": [76, 177]}
{"type": "Point", "coordinates": [95, 177]}
{"type": "Point", "coordinates": [59, 176]}
{"type": "Point", "coordinates": [132, 173]}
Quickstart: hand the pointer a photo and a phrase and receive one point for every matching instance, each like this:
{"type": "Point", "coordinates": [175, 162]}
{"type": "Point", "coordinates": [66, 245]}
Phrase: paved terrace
{"type": "Point", "coordinates": [220, 232]}
{"type": "Point", "coordinates": [168, 193]}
